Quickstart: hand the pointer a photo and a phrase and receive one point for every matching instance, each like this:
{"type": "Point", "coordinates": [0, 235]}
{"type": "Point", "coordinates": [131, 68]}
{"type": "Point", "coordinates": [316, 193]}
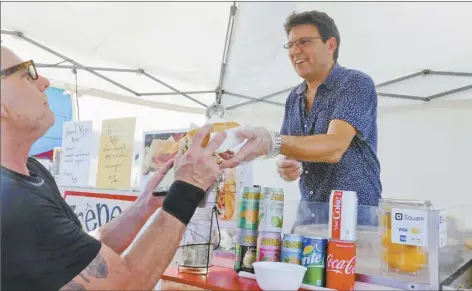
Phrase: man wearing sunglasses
{"type": "Point", "coordinates": [329, 131]}
{"type": "Point", "coordinates": [43, 244]}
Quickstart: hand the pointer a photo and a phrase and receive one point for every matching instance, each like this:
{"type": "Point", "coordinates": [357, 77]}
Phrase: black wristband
{"type": "Point", "coordinates": [182, 200]}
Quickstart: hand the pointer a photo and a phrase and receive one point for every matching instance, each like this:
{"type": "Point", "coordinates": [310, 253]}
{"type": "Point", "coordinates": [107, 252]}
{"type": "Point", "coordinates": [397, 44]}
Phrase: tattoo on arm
{"type": "Point", "coordinates": [73, 286]}
{"type": "Point", "coordinates": [85, 278]}
{"type": "Point", "coordinates": [98, 268]}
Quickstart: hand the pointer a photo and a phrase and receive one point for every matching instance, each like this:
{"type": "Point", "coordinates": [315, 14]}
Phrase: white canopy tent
{"type": "Point", "coordinates": [172, 52]}
{"type": "Point", "coordinates": [185, 56]}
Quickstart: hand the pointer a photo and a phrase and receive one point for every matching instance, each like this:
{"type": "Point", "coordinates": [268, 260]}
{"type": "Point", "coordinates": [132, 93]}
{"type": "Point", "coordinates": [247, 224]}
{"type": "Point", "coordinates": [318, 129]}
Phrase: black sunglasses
{"type": "Point", "coordinates": [28, 65]}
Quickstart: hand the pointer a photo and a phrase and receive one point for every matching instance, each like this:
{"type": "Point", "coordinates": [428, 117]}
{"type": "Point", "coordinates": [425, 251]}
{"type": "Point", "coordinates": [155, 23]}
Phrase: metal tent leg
{"type": "Point", "coordinates": [226, 50]}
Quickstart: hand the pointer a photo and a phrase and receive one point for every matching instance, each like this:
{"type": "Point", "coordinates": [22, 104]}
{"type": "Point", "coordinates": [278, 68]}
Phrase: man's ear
{"type": "Point", "coordinates": [332, 44]}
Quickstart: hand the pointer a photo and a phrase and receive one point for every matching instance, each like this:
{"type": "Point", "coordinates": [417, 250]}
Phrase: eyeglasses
{"type": "Point", "coordinates": [28, 65]}
{"type": "Point", "coordinates": [301, 42]}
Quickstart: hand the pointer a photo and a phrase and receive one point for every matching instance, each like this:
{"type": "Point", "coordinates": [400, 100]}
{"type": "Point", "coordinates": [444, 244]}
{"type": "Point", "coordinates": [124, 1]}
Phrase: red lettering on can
{"type": "Point", "coordinates": [341, 265]}
{"type": "Point", "coordinates": [336, 215]}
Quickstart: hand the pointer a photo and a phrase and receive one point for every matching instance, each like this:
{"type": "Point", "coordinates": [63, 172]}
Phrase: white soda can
{"type": "Point", "coordinates": [343, 215]}
{"type": "Point", "coordinates": [271, 211]}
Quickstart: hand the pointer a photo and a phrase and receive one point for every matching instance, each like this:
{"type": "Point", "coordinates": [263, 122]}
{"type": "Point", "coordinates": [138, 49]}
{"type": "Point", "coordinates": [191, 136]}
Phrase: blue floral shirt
{"type": "Point", "coordinates": [348, 95]}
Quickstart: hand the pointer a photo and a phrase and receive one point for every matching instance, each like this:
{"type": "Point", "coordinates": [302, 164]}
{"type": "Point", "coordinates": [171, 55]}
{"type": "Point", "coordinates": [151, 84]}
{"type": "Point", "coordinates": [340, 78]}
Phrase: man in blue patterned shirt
{"type": "Point", "coordinates": [330, 122]}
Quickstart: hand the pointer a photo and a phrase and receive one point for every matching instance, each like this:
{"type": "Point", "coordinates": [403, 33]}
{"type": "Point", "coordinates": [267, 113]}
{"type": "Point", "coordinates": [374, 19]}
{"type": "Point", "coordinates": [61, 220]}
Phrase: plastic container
{"type": "Point", "coordinates": [200, 239]}
{"type": "Point", "coordinates": [278, 276]}
{"type": "Point", "coordinates": [404, 258]}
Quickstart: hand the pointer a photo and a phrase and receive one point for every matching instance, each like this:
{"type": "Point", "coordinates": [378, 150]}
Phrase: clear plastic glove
{"type": "Point", "coordinates": [259, 142]}
{"type": "Point", "coordinates": [289, 169]}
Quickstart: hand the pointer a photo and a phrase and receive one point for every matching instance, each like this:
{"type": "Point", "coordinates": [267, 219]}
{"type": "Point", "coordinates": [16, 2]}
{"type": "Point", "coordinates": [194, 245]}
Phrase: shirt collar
{"type": "Point", "coordinates": [329, 82]}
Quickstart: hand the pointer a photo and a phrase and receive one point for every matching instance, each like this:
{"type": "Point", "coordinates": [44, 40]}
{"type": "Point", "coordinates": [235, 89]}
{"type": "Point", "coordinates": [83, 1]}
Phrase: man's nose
{"type": "Point", "coordinates": [294, 50]}
{"type": "Point", "coordinates": [42, 83]}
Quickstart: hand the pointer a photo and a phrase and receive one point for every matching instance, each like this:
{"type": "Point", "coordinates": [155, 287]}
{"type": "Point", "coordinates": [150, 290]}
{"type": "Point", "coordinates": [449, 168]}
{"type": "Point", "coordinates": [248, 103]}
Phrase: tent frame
{"type": "Point", "coordinates": [397, 80]}
{"type": "Point", "coordinates": [219, 91]}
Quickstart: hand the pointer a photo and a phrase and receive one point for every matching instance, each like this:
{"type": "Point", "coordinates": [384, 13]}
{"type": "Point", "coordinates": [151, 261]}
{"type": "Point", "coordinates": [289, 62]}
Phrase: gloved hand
{"type": "Point", "coordinates": [259, 142]}
{"type": "Point", "coordinates": [289, 169]}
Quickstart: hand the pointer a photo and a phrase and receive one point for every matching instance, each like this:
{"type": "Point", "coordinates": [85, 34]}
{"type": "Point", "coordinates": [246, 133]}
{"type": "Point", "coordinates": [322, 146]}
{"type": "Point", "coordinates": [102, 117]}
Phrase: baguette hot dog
{"type": "Point", "coordinates": [186, 141]}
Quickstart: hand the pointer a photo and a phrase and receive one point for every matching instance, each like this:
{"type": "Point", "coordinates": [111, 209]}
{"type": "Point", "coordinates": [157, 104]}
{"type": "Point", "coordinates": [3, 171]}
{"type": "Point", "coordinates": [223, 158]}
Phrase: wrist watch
{"type": "Point", "coordinates": [276, 145]}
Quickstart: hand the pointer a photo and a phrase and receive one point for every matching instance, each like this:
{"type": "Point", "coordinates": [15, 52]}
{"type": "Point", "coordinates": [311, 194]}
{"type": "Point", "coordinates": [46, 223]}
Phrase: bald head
{"type": "Point", "coordinates": [25, 110]}
{"type": "Point", "coordinates": [8, 58]}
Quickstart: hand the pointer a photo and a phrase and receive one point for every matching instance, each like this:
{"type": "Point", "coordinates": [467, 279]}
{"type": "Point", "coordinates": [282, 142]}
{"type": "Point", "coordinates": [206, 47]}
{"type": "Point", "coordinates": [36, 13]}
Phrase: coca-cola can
{"type": "Point", "coordinates": [341, 265]}
{"type": "Point", "coordinates": [343, 215]}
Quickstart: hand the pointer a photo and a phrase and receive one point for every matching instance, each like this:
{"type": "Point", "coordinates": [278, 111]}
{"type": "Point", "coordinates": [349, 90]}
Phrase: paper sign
{"type": "Point", "coordinates": [115, 155]}
{"type": "Point", "coordinates": [56, 161]}
{"type": "Point", "coordinates": [410, 227]}
{"type": "Point", "coordinates": [96, 209]}
{"type": "Point", "coordinates": [74, 162]}
{"type": "Point", "coordinates": [442, 231]}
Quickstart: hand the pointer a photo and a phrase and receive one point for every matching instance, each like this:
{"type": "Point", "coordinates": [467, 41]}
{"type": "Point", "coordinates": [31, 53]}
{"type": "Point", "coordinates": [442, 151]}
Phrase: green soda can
{"type": "Point", "coordinates": [314, 258]}
{"type": "Point", "coordinates": [248, 217]}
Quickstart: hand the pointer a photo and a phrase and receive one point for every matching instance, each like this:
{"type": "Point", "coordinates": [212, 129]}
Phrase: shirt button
{"type": "Point", "coordinates": [306, 172]}
{"type": "Point", "coordinates": [311, 192]}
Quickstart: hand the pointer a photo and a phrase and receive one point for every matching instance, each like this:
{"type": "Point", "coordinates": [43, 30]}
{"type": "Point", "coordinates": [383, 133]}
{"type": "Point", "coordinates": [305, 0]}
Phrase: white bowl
{"type": "Point", "coordinates": [278, 276]}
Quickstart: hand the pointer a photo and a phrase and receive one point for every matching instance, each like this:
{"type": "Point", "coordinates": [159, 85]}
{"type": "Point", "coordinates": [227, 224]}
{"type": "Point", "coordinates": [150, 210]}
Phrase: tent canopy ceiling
{"type": "Point", "coordinates": [386, 40]}
{"type": "Point", "coordinates": [182, 44]}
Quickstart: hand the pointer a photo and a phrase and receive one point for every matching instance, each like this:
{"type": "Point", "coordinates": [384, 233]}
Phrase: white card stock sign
{"type": "Point", "coordinates": [410, 227]}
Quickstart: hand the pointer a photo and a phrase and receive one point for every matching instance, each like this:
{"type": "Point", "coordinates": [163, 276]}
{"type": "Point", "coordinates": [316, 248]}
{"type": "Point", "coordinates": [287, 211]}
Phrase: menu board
{"type": "Point", "coordinates": [74, 162]}
{"type": "Point", "coordinates": [115, 154]}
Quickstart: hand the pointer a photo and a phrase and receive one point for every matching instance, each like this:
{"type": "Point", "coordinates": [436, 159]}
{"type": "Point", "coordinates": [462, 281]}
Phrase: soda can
{"type": "Point", "coordinates": [292, 249]}
{"type": "Point", "coordinates": [341, 265]}
{"type": "Point", "coordinates": [343, 215]}
{"type": "Point", "coordinates": [271, 211]}
{"type": "Point", "coordinates": [269, 246]}
{"type": "Point", "coordinates": [314, 258]}
{"type": "Point", "coordinates": [248, 217]}
{"type": "Point", "coordinates": [246, 250]}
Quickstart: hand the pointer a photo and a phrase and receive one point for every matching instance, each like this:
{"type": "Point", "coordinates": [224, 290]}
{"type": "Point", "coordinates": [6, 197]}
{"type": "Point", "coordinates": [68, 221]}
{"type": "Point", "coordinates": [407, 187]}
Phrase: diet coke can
{"type": "Point", "coordinates": [343, 215]}
{"type": "Point", "coordinates": [341, 265]}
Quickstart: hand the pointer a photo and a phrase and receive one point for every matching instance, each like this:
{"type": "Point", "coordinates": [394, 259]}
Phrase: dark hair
{"type": "Point", "coordinates": [321, 21]}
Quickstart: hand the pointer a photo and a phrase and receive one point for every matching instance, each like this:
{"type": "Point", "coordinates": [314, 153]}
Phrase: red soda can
{"type": "Point", "coordinates": [341, 265]}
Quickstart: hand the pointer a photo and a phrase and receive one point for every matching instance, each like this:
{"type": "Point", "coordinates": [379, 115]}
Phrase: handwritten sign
{"type": "Point", "coordinates": [115, 155]}
{"type": "Point", "coordinates": [97, 209]}
{"type": "Point", "coordinates": [74, 162]}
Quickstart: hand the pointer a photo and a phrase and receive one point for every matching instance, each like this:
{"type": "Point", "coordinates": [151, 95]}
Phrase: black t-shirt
{"type": "Point", "coordinates": [43, 245]}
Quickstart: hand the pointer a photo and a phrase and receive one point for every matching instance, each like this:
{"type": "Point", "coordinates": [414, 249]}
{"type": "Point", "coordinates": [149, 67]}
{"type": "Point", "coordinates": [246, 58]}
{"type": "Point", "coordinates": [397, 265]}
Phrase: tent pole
{"type": "Point", "coordinates": [453, 91]}
{"type": "Point", "coordinates": [400, 79]}
{"type": "Point", "coordinates": [252, 98]}
{"type": "Point", "coordinates": [391, 95]}
{"type": "Point", "coordinates": [172, 88]}
{"type": "Point", "coordinates": [261, 99]}
{"type": "Point", "coordinates": [227, 47]}
{"type": "Point", "coordinates": [92, 71]}
{"type": "Point", "coordinates": [177, 93]}
{"type": "Point", "coordinates": [400, 96]}
{"type": "Point", "coordinates": [20, 35]}
{"type": "Point", "coordinates": [57, 66]}
{"type": "Point", "coordinates": [137, 71]}
{"type": "Point", "coordinates": [455, 74]}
